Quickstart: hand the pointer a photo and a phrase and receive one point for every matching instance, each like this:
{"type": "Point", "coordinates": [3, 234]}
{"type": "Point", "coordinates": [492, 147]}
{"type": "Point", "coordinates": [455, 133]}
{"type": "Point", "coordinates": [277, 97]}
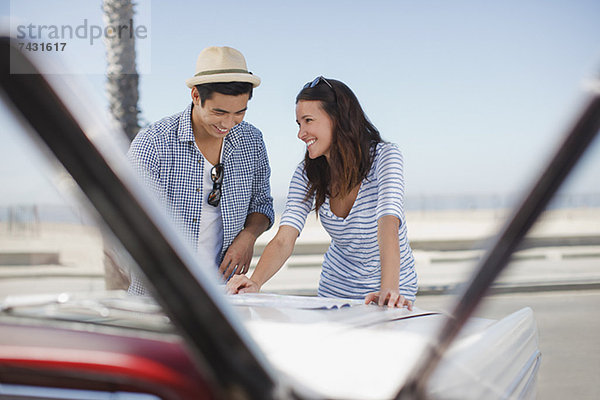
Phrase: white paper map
{"type": "Point", "coordinates": [298, 302]}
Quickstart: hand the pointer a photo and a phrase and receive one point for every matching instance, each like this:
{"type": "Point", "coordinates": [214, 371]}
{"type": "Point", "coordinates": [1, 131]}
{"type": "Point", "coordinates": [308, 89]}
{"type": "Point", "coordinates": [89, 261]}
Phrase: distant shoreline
{"type": "Point", "coordinates": [448, 202]}
{"type": "Point", "coordinates": [424, 203]}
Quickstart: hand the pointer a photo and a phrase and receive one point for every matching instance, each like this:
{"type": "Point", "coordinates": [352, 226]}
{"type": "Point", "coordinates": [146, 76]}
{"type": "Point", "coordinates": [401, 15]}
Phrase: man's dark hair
{"type": "Point", "coordinates": [206, 90]}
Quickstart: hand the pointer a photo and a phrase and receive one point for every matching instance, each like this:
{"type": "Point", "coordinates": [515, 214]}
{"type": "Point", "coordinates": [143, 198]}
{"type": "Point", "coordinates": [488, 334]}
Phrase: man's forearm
{"type": "Point", "coordinates": [256, 224]}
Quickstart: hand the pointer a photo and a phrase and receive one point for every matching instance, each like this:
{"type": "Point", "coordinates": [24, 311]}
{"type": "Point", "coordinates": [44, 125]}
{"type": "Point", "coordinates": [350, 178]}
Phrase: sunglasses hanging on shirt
{"type": "Point", "coordinates": [216, 174]}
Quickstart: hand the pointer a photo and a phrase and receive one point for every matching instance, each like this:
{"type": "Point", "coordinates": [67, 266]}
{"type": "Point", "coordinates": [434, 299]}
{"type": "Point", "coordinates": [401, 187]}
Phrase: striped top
{"type": "Point", "coordinates": [352, 267]}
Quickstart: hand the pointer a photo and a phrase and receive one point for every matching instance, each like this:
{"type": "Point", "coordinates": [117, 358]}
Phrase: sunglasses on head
{"type": "Point", "coordinates": [216, 175]}
{"type": "Point", "coordinates": [316, 81]}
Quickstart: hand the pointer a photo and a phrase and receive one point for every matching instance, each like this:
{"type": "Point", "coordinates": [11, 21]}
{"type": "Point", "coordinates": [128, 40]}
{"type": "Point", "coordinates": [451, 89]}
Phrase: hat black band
{"type": "Point", "coordinates": [223, 71]}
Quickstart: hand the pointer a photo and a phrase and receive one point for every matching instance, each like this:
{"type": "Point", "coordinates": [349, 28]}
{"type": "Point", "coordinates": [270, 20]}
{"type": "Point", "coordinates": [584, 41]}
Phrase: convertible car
{"type": "Point", "coordinates": [63, 336]}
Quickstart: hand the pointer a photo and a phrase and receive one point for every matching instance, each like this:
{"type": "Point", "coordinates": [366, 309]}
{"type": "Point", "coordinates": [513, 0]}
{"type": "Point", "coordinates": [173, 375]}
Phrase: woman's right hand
{"type": "Point", "coordinates": [242, 284]}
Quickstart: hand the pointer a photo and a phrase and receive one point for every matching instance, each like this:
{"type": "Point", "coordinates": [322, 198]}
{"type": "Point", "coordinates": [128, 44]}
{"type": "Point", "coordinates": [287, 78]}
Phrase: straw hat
{"type": "Point", "coordinates": [221, 64]}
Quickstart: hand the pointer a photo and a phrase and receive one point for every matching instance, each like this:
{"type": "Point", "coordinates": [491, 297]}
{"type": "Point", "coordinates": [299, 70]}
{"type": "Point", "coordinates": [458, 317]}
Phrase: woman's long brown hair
{"type": "Point", "coordinates": [352, 150]}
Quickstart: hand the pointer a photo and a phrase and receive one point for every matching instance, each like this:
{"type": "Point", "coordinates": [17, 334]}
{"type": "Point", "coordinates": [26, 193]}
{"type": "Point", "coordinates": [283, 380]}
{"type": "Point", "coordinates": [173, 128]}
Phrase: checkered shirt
{"type": "Point", "coordinates": [165, 156]}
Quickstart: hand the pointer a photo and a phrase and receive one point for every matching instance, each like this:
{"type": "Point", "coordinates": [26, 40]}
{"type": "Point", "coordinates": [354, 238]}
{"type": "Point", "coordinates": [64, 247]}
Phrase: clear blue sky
{"type": "Point", "coordinates": [476, 93]}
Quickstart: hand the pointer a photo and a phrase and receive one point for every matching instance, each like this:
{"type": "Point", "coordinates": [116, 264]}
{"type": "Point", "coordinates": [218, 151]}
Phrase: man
{"type": "Point", "coordinates": [209, 167]}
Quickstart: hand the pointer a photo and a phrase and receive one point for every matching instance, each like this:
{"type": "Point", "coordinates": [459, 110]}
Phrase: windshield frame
{"type": "Point", "coordinates": [221, 346]}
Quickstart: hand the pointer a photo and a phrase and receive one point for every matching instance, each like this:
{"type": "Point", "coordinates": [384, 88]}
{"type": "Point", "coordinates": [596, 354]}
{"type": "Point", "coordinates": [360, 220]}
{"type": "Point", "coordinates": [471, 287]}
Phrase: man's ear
{"type": "Point", "coordinates": [195, 96]}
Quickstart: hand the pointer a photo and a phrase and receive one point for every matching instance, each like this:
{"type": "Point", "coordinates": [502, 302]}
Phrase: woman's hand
{"type": "Point", "coordinates": [391, 297]}
{"type": "Point", "coordinates": [242, 284]}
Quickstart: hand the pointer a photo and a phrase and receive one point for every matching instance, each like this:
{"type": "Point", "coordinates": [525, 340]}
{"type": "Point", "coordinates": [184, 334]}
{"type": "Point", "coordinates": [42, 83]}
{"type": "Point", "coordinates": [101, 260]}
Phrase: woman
{"type": "Point", "coordinates": [354, 181]}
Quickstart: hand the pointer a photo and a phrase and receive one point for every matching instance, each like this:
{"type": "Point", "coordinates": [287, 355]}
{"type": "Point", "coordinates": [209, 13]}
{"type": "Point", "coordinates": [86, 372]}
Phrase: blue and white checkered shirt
{"type": "Point", "coordinates": [165, 156]}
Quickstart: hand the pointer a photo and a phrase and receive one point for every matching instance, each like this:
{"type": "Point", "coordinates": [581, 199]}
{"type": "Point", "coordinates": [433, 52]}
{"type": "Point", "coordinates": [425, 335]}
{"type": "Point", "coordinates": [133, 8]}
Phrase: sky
{"type": "Point", "coordinates": [477, 94]}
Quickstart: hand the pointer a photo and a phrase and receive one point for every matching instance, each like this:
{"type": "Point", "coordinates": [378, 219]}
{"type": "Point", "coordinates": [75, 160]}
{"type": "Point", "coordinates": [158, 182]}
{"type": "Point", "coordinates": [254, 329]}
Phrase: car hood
{"type": "Point", "coordinates": [362, 351]}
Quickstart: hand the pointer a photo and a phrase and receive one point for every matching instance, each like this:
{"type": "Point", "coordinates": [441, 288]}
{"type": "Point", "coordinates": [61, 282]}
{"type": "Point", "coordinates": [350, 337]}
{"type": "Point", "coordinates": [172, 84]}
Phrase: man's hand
{"type": "Point", "coordinates": [390, 297]}
{"type": "Point", "coordinates": [242, 284]}
{"type": "Point", "coordinates": [239, 255]}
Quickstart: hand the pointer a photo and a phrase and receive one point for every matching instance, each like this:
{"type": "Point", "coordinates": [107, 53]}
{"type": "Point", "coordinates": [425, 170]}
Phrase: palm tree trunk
{"type": "Point", "coordinates": [122, 91]}
{"type": "Point", "coordinates": [122, 82]}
